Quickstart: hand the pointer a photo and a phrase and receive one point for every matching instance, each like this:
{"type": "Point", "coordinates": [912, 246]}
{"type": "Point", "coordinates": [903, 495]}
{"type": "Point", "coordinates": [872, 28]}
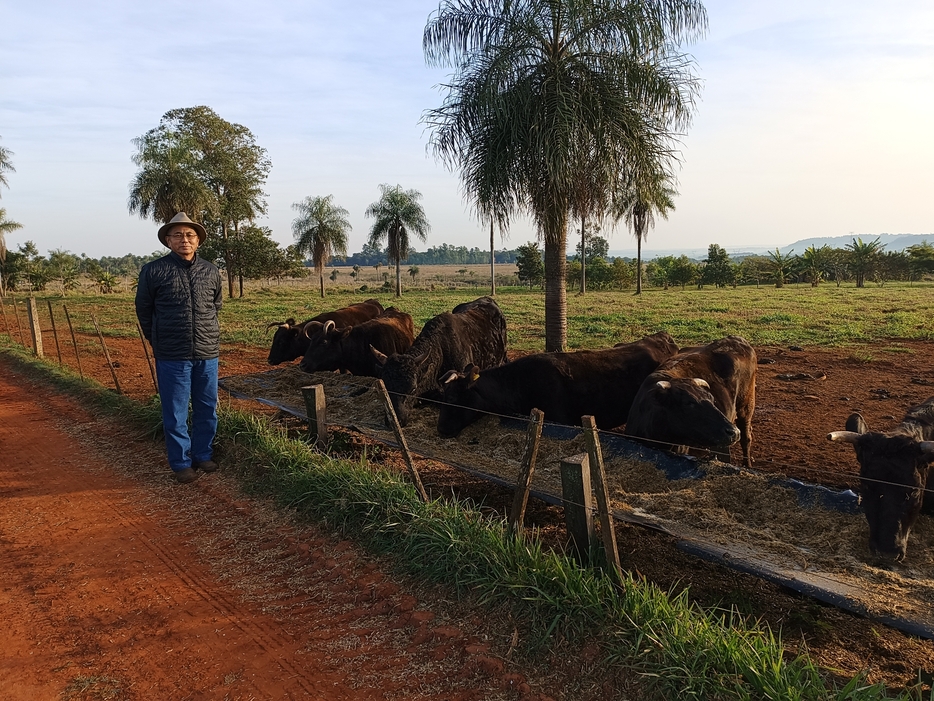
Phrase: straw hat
{"type": "Point", "coordinates": [182, 218]}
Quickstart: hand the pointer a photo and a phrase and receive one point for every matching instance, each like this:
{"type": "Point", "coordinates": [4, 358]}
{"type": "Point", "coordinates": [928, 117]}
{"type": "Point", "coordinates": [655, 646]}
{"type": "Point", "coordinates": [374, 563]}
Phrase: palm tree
{"type": "Point", "coordinates": [6, 165]}
{"type": "Point", "coordinates": [413, 273]}
{"type": "Point", "coordinates": [397, 212]}
{"type": "Point", "coordinates": [546, 91]}
{"type": "Point", "coordinates": [320, 231]}
{"type": "Point", "coordinates": [781, 265]}
{"type": "Point", "coordinates": [862, 257]}
{"type": "Point", "coordinates": [167, 182]}
{"type": "Point", "coordinates": [6, 226]}
{"type": "Point", "coordinates": [648, 191]}
{"type": "Point", "coordinates": [814, 262]}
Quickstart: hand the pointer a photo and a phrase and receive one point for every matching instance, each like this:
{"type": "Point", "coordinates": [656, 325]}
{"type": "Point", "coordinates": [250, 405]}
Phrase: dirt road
{"type": "Point", "coordinates": [116, 583]}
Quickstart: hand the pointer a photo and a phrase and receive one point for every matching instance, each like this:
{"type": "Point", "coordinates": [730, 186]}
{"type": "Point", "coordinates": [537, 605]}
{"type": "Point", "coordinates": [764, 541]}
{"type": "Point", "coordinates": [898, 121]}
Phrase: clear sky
{"type": "Point", "coordinates": [815, 117]}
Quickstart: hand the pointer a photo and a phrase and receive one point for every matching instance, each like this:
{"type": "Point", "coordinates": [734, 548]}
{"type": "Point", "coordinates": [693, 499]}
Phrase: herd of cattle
{"type": "Point", "coordinates": [673, 398]}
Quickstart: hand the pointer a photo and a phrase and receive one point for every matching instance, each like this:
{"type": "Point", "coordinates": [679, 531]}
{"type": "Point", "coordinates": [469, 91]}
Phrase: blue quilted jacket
{"type": "Point", "coordinates": [177, 303]}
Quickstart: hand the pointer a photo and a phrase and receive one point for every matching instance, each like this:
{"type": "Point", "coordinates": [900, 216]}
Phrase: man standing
{"type": "Point", "coordinates": [177, 301]}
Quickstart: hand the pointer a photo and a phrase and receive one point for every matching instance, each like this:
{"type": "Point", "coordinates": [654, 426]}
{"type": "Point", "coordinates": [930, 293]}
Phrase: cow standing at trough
{"type": "Point", "coordinates": [348, 348]}
{"type": "Point", "coordinates": [290, 341]}
{"type": "Point", "coordinates": [702, 397]}
{"type": "Point", "coordinates": [894, 473]}
{"type": "Point", "coordinates": [565, 386]}
{"type": "Point", "coordinates": [473, 334]}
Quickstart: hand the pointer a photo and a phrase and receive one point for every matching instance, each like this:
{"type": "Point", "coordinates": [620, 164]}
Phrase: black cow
{"type": "Point", "coordinates": [702, 397]}
{"type": "Point", "coordinates": [894, 473]}
{"type": "Point", "coordinates": [348, 348]}
{"type": "Point", "coordinates": [473, 334]}
{"type": "Point", "coordinates": [291, 340]}
{"type": "Point", "coordinates": [565, 386]}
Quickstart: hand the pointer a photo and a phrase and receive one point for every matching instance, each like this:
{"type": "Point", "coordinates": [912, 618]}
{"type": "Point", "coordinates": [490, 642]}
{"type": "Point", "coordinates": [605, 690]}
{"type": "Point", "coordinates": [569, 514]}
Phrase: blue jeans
{"type": "Point", "coordinates": [182, 382]}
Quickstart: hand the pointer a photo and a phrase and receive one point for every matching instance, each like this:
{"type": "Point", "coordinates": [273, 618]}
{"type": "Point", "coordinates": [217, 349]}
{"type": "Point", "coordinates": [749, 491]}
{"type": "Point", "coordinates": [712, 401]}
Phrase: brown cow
{"type": "Point", "coordinates": [702, 397]}
{"type": "Point", "coordinates": [291, 340]}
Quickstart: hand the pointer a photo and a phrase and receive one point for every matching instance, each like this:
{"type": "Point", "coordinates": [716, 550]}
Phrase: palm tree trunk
{"type": "Point", "coordinates": [638, 262]}
{"type": "Point", "coordinates": [321, 279]}
{"type": "Point", "coordinates": [492, 262]}
{"type": "Point", "coordinates": [398, 277]}
{"type": "Point", "coordinates": [556, 294]}
{"type": "Point", "coordinates": [583, 257]}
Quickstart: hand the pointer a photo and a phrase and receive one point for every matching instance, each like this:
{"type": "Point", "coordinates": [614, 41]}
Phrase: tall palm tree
{"type": "Point", "coordinates": [397, 212]}
{"type": "Point", "coordinates": [647, 192]}
{"type": "Point", "coordinates": [6, 165]}
{"type": "Point", "coordinates": [545, 91]}
{"type": "Point", "coordinates": [6, 226]}
{"type": "Point", "coordinates": [320, 230]}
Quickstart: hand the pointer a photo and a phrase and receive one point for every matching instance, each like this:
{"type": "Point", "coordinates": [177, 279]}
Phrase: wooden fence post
{"type": "Point", "coordinates": [400, 437]}
{"type": "Point", "coordinates": [35, 329]}
{"type": "Point", "coordinates": [58, 348]}
{"type": "Point", "coordinates": [598, 475]}
{"type": "Point", "coordinates": [578, 503]}
{"type": "Point", "coordinates": [113, 372]}
{"type": "Point", "coordinates": [74, 341]}
{"type": "Point", "coordinates": [316, 411]}
{"type": "Point", "coordinates": [6, 324]}
{"type": "Point", "coordinates": [152, 370]}
{"type": "Point", "coordinates": [19, 326]}
{"type": "Point", "coordinates": [521, 497]}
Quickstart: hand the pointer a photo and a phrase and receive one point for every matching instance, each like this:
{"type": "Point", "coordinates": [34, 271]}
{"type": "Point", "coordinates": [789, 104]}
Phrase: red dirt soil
{"type": "Point", "coordinates": [261, 608]}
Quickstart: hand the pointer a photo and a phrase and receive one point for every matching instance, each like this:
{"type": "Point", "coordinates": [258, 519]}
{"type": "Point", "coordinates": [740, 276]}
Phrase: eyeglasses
{"type": "Point", "coordinates": [179, 237]}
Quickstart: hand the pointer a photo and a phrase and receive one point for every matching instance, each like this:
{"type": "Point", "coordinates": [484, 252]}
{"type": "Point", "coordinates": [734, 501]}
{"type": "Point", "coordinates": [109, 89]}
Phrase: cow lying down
{"type": "Point", "coordinates": [894, 473]}
{"type": "Point", "coordinates": [565, 386]}
{"type": "Point", "coordinates": [703, 397]}
{"type": "Point", "coordinates": [291, 340]}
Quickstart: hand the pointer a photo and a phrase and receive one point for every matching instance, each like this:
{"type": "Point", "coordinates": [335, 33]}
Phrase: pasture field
{"type": "Point", "coordinates": [876, 317]}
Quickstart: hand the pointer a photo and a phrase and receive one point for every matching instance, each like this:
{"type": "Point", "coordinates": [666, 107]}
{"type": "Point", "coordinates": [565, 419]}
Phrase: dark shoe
{"type": "Point", "coordinates": [185, 475]}
{"type": "Point", "coordinates": [206, 466]}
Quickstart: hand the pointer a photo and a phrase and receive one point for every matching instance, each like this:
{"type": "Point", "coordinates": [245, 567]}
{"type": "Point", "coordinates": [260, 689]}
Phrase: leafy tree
{"type": "Point", "coordinates": [891, 265]}
{"type": "Point", "coordinates": [321, 230]}
{"type": "Point", "coordinates": [6, 226]}
{"type": "Point", "coordinates": [549, 93]}
{"type": "Point", "coordinates": [862, 258]}
{"type": "Point", "coordinates": [197, 162]}
{"type": "Point", "coordinates": [64, 267]}
{"type": "Point", "coordinates": [718, 268]}
{"type": "Point", "coordinates": [838, 262]}
{"type": "Point", "coordinates": [920, 256]}
{"type": "Point", "coordinates": [683, 271]}
{"type": "Point", "coordinates": [397, 212]}
{"type": "Point", "coordinates": [780, 265]}
{"type": "Point", "coordinates": [530, 264]}
{"type": "Point", "coordinates": [35, 268]}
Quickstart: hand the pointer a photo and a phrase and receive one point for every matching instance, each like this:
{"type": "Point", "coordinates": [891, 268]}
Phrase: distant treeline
{"type": "Point", "coordinates": [445, 254]}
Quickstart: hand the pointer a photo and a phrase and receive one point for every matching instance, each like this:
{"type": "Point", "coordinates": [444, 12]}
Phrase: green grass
{"type": "Point", "coordinates": [677, 649]}
{"type": "Point", "coordinates": [792, 315]}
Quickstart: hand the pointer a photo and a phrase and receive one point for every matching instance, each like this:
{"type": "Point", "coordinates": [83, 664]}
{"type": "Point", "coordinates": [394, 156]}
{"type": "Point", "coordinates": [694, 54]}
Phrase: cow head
{"type": "Point", "coordinates": [283, 342]}
{"type": "Point", "coordinates": [324, 350]}
{"type": "Point", "coordinates": [401, 373]}
{"type": "Point", "coordinates": [893, 472]}
{"type": "Point", "coordinates": [462, 403]}
{"type": "Point", "coordinates": [680, 411]}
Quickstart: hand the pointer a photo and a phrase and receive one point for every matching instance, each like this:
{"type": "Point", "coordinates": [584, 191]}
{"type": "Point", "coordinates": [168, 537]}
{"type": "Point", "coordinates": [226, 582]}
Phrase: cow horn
{"type": "Point", "coordinates": [663, 384]}
{"type": "Point", "coordinates": [700, 382]}
{"type": "Point", "coordinates": [316, 325]}
{"type": "Point", "coordinates": [450, 376]}
{"type": "Point", "coordinates": [418, 360]}
{"type": "Point", "coordinates": [275, 323]}
{"type": "Point", "coordinates": [329, 325]}
{"type": "Point", "coordinates": [849, 437]}
{"type": "Point", "coordinates": [380, 356]}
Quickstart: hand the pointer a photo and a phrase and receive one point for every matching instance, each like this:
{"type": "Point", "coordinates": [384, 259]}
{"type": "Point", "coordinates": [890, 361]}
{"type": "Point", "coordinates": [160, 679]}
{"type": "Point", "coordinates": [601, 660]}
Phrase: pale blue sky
{"type": "Point", "coordinates": [815, 117]}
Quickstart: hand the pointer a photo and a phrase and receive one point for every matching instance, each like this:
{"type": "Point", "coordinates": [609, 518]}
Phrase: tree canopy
{"type": "Point", "coordinates": [396, 213]}
{"type": "Point", "coordinates": [320, 231]}
{"type": "Point", "coordinates": [199, 163]}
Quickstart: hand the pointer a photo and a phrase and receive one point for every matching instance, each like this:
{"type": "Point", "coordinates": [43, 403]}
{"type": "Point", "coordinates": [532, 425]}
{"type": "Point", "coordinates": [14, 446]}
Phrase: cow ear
{"type": "Point", "coordinates": [450, 376]}
{"type": "Point", "coordinates": [473, 372]}
{"type": "Point", "coordinates": [663, 384]}
{"type": "Point", "coordinates": [843, 436]}
{"type": "Point", "coordinates": [700, 382]}
{"type": "Point", "coordinates": [345, 332]}
{"type": "Point", "coordinates": [290, 322]}
{"type": "Point", "coordinates": [856, 423]}
{"type": "Point", "coordinates": [380, 357]}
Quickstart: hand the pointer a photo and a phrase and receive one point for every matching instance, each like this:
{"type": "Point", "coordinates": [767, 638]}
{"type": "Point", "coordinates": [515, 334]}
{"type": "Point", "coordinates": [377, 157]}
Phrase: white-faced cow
{"type": "Point", "coordinates": [702, 397]}
{"type": "Point", "coordinates": [894, 473]}
{"type": "Point", "coordinates": [291, 340]}
{"type": "Point", "coordinates": [565, 386]}
{"type": "Point", "coordinates": [348, 348]}
{"type": "Point", "coordinates": [473, 334]}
